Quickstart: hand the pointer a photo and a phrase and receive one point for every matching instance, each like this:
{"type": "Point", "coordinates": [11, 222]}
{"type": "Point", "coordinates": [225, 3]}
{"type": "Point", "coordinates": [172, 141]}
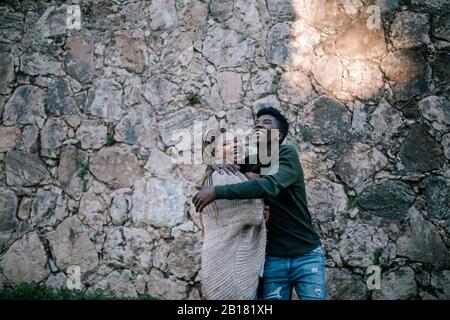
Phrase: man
{"type": "Point", "coordinates": [294, 255]}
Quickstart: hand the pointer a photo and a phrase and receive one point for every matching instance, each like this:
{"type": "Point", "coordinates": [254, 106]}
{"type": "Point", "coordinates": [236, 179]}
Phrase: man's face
{"type": "Point", "coordinates": [262, 127]}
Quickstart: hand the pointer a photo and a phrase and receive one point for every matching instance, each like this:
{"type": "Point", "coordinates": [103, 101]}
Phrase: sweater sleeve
{"type": "Point", "coordinates": [269, 185]}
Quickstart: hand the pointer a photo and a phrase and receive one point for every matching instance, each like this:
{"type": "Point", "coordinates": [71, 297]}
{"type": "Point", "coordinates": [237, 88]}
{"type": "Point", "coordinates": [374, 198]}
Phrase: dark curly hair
{"type": "Point", "coordinates": [282, 123]}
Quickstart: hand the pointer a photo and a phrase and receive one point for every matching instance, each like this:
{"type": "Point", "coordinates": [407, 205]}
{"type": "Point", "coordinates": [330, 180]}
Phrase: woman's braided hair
{"type": "Point", "coordinates": [209, 141]}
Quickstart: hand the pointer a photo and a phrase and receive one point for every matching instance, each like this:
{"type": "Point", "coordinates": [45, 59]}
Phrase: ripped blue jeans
{"type": "Point", "coordinates": [305, 273]}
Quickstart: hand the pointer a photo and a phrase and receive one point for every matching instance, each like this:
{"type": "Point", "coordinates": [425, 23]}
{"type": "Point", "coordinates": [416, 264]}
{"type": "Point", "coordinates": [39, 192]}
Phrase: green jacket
{"type": "Point", "coordinates": [290, 231]}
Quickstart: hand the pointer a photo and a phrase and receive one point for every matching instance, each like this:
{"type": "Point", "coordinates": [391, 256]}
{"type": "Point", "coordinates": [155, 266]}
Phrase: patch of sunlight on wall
{"type": "Point", "coordinates": [335, 45]}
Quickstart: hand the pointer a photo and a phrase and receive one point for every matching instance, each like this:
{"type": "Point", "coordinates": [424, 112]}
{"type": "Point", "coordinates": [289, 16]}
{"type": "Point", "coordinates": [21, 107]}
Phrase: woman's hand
{"type": "Point", "coordinates": [226, 168]}
{"type": "Point", "coordinates": [266, 213]}
{"type": "Point", "coordinates": [251, 175]}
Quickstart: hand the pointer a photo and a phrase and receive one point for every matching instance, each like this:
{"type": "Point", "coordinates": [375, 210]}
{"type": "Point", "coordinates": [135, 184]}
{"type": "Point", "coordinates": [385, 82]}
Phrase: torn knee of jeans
{"type": "Point", "coordinates": [274, 294]}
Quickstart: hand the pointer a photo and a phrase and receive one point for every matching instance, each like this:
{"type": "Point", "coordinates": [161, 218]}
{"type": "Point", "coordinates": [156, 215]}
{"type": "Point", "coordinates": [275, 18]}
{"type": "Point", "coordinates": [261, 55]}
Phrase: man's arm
{"type": "Point", "coordinates": [270, 185]}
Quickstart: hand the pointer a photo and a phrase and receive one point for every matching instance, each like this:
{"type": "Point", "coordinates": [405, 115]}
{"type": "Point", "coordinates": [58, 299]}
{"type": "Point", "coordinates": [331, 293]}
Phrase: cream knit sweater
{"type": "Point", "coordinates": [234, 245]}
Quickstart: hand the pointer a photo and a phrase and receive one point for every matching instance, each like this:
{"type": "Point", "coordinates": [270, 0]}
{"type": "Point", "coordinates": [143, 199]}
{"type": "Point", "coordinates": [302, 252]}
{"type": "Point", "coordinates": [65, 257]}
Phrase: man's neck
{"type": "Point", "coordinates": [267, 151]}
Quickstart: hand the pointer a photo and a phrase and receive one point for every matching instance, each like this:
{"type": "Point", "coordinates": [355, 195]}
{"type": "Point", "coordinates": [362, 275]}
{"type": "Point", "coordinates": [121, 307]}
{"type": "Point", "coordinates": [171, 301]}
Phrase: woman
{"type": "Point", "coordinates": [234, 231]}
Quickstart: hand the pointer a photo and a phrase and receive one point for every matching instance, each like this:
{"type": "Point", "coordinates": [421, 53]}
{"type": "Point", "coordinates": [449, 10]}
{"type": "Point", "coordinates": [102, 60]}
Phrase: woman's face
{"type": "Point", "coordinates": [229, 148]}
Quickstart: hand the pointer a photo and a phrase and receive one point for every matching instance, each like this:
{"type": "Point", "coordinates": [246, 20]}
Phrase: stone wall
{"type": "Point", "coordinates": [87, 118]}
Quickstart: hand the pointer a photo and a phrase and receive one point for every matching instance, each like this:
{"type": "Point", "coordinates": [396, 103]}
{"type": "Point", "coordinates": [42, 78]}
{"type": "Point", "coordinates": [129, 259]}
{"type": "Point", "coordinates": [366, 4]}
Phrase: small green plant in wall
{"type": "Point", "coordinates": [353, 203]}
{"type": "Point", "coordinates": [110, 136]}
{"type": "Point", "coordinates": [84, 170]}
{"type": "Point", "coordinates": [193, 98]}
{"type": "Point", "coordinates": [109, 139]}
{"type": "Point", "coordinates": [376, 256]}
